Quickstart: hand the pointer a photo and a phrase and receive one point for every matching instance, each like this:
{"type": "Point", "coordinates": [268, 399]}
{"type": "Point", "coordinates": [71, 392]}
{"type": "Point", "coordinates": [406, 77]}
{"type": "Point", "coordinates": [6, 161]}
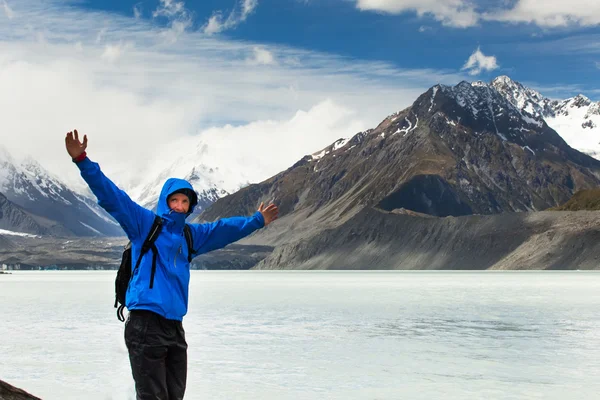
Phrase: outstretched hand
{"type": "Point", "coordinates": [74, 147]}
{"type": "Point", "coordinates": [269, 213]}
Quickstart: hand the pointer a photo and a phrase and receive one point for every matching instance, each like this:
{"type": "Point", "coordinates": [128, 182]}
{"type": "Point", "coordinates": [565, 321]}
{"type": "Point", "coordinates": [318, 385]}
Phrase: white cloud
{"type": "Point", "coordinates": [10, 14]}
{"type": "Point", "coordinates": [157, 96]}
{"type": "Point", "coordinates": [456, 13]}
{"type": "Point", "coordinates": [179, 19]}
{"type": "Point", "coordinates": [479, 62]}
{"type": "Point", "coordinates": [262, 148]}
{"type": "Point", "coordinates": [550, 13]}
{"type": "Point", "coordinates": [261, 56]}
{"type": "Point", "coordinates": [214, 24]}
{"type": "Point", "coordinates": [598, 64]}
{"type": "Point", "coordinates": [248, 7]}
{"type": "Point", "coordinates": [467, 13]}
{"type": "Point", "coordinates": [170, 9]}
{"type": "Point", "coordinates": [217, 24]}
{"type": "Point", "coordinates": [137, 11]}
{"type": "Point", "coordinates": [112, 52]}
{"type": "Point", "coordinates": [424, 28]}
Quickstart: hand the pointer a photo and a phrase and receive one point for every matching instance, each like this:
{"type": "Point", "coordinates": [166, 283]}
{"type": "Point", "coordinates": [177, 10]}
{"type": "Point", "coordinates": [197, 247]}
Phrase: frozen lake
{"type": "Point", "coordinates": [319, 335]}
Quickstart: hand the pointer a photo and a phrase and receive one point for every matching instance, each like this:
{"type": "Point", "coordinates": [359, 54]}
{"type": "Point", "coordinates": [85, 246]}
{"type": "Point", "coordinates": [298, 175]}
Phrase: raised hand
{"type": "Point", "coordinates": [74, 147]}
{"type": "Point", "coordinates": [269, 213]}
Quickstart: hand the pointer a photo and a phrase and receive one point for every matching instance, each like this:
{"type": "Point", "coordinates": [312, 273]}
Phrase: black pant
{"type": "Point", "coordinates": [158, 355]}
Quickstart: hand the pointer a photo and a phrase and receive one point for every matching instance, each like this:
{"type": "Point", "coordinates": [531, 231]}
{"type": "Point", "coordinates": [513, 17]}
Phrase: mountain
{"type": "Point", "coordinates": [46, 198]}
{"type": "Point", "coordinates": [576, 119]}
{"type": "Point", "coordinates": [208, 183]}
{"type": "Point", "coordinates": [15, 219]}
{"type": "Point", "coordinates": [456, 151]}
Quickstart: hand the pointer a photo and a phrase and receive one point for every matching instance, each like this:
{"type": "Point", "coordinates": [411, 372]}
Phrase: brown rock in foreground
{"type": "Point", "coordinates": [9, 392]}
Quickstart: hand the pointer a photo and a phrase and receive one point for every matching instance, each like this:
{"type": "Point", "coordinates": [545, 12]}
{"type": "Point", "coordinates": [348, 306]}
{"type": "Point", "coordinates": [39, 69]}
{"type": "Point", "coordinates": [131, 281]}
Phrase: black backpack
{"type": "Point", "coordinates": [125, 271]}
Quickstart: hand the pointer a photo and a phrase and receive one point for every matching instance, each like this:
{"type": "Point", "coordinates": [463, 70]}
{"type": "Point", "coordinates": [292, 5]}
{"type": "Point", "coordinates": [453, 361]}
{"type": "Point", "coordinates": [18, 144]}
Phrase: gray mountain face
{"type": "Point", "coordinates": [44, 196]}
{"type": "Point", "coordinates": [14, 218]}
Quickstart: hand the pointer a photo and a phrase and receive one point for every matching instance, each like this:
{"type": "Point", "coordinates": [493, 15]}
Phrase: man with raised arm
{"type": "Point", "coordinates": [157, 299]}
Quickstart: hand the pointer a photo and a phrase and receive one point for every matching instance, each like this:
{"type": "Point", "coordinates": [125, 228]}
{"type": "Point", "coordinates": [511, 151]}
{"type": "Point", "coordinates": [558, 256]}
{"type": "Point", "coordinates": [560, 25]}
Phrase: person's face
{"type": "Point", "coordinates": [179, 202]}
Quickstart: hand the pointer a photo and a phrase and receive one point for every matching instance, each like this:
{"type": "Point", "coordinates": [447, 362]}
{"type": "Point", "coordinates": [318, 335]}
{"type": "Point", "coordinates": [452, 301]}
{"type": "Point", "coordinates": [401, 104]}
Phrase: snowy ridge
{"type": "Point", "coordinates": [484, 103]}
{"type": "Point", "coordinates": [344, 142]}
{"type": "Point", "coordinates": [576, 120]}
{"type": "Point", "coordinates": [20, 176]}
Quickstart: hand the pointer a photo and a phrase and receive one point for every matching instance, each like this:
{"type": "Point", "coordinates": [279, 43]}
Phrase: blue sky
{"type": "Point", "coordinates": [292, 75]}
{"type": "Point", "coordinates": [544, 53]}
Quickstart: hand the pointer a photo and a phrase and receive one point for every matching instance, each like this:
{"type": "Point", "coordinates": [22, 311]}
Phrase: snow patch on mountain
{"type": "Point", "coordinates": [12, 233]}
{"type": "Point", "coordinates": [91, 229]}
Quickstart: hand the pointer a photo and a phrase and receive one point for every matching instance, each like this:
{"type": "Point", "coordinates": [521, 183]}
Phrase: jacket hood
{"type": "Point", "coordinates": [172, 185]}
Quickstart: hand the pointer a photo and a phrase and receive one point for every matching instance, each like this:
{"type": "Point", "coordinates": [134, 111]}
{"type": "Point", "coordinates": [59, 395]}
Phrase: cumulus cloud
{"type": "Point", "coordinates": [479, 62]}
{"type": "Point", "coordinates": [467, 13]}
{"type": "Point", "coordinates": [285, 141]}
{"type": "Point", "coordinates": [550, 13]}
{"type": "Point", "coordinates": [455, 13]}
{"type": "Point", "coordinates": [217, 23]}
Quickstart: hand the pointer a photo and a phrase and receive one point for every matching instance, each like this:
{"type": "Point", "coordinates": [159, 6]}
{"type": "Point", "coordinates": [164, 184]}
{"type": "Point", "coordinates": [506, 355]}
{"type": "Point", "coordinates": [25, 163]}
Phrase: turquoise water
{"type": "Point", "coordinates": [320, 335]}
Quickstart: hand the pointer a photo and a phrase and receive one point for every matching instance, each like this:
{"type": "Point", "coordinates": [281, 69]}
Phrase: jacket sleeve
{"type": "Point", "coordinates": [133, 218]}
{"type": "Point", "coordinates": [218, 234]}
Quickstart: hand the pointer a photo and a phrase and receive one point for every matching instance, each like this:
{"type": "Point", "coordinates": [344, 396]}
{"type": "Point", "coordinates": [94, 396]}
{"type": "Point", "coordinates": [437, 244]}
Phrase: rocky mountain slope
{"type": "Point", "coordinates": [28, 185]}
{"type": "Point", "coordinates": [9, 392]}
{"type": "Point", "coordinates": [377, 239]}
{"type": "Point", "coordinates": [14, 218]}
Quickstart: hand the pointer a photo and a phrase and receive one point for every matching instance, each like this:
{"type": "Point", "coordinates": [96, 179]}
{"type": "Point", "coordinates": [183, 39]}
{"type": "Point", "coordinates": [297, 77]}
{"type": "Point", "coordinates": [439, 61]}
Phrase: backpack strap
{"type": "Point", "coordinates": [187, 231]}
{"type": "Point", "coordinates": [149, 244]}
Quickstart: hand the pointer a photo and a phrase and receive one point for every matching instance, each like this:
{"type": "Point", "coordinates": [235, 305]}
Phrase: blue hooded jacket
{"type": "Point", "coordinates": [169, 295]}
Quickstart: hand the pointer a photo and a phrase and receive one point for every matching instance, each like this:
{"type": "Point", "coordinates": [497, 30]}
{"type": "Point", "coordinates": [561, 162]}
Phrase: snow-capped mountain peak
{"type": "Point", "coordinates": [521, 97]}
{"type": "Point", "coordinates": [576, 119]}
{"type": "Point", "coordinates": [484, 101]}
